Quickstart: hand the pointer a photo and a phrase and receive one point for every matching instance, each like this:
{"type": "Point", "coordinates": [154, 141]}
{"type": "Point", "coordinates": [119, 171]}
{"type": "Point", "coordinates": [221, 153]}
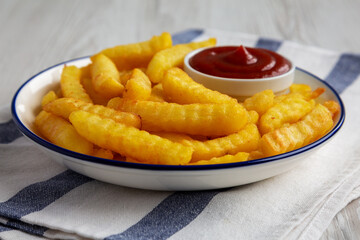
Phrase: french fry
{"type": "Point", "coordinates": [133, 160]}
{"type": "Point", "coordinates": [125, 75]}
{"type": "Point", "coordinates": [194, 119]}
{"type": "Point", "coordinates": [70, 84]}
{"type": "Point", "coordinates": [172, 57]}
{"type": "Point", "coordinates": [50, 96]}
{"type": "Point", "coordinates": [86, 71]}
{"type": "Point", "coordinates": [129, 141]}
{"type": "Point", "coordinates": [253, 116]}
{"type": "Point", "coordinates": [180, 88]}
{"type": "Point", "coordinates": [157, 93]}
{"type": "Point", "coordinates": [305, 91]}
{"type": "Point", "coordinates": [96, 97]}
{"type": "Point", "coordinates": [138, 87]}
{"type": "Point", "coordinates": [105, 76]}
{"type": "Point", "coordinates": [103, 153]}
{"type": "Point", "coordinates": [63, 107]}
{"type": "Point", "coordinates": [310, 128]}
{"type": "Point", "coordinates": [238, 157]}
{"type": "Point", "coordinates": [246, 140]}
{"type": "Point", "coordinates": [137, 55]}
{"type": "Point", "coordinates": [260, 102]}
{"type": "Point", "coordinates": [333, 107]}
{"type": "Point", "coordinates": [201, 44]}
{"type": "Point", "coordinates": [289, 110]}
{"type": "Point", "coordinates": [61, 133]}
{"type": "Point", "coordinates": [257, 154]}
{"type": "Point", "coordinates": [166, 59]}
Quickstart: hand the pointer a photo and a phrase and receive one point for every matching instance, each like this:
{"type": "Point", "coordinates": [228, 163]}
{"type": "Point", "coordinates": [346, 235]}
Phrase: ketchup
{"type": "Point", "coordinates": [240, 62]}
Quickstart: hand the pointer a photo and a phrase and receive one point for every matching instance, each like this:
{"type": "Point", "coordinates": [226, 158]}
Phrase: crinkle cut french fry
{"type": "Point", "coordinates": [50, 96]}
{"type": "Point", "coordinates": [138, 86]}
{"type": "Point", "coordinates": [180, 88]}
{"type": "Point", "coordinates": [333, 107]}
{"type": "Point", "coordinates": [86, 71]}
{"type": "Point", "coordinates": [95, 96]}
{"type": "Point", "coordinates": [201, 44]}
{"type": "Point", "coordinates": [238, 157]}
{"type": "Point", "coordinates": [105, 76]}
{"type": "Point", "coordinates": [166, 59]}
{"type": "Point", "coordinates": [129, 141]}
{"type": "Point", "coordinates": [253, 116]}
{"type": "Point", "coordinates": [70, 84]}
{"type": "Point", "coordinates": [310, 128]}
{"type": "Point", "coordinates": [305, 91]}
{"type": "Point", "coordinates": [246, 140]}
{"type": "Point", "coordinates": [172, 57]}
{"type": "Point", "coordinates": [103, 153]}
{"type": "Point", "coordinates": [157, 93]}
{"type": "Point", "coordinates": [61, 133]}
{"type": "Point", "coordinates": [63, 107]}
{"type": "Point", "coordinates": [137, 55]}
{"type": "Point", "coordinates": [194, 119]}
{"type": "Point", "coordinates": [289, 110]}
{"type": "Point", "coordinates": [260, 102]}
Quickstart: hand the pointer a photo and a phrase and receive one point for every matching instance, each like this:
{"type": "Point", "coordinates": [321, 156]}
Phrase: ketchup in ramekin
{"type": "Point", "coordinates": [240, 62]}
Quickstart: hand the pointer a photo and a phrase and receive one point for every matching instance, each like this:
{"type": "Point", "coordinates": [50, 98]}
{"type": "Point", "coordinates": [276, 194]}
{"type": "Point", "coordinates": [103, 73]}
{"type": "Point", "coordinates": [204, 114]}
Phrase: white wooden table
{"type": "Point", "coordinates": [36, 34]}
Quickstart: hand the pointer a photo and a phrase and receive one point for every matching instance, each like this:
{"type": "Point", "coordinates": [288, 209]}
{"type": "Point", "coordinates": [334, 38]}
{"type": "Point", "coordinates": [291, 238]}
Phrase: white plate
{"type": "Point", "coordinates": [26, 104]}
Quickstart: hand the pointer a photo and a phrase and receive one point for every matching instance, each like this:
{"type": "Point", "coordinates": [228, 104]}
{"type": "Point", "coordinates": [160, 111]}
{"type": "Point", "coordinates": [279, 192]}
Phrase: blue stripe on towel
{"type": "Point", "coordinates": [186, 36]}
{"type": "Point", "coordinates": [9, 132]}
{"type": "Point", "coordinates": [28, 228]}
{"type": "Point", "coordinates": [4, 228]}
{"type": "Point", "coordinates": [269, 44]}
{"type": "Point", "coordinates": [345, 71]}
{"type": "Point", "coordinates": [37, 196]}
{"type": "Point", "coordinates": [170, 216]}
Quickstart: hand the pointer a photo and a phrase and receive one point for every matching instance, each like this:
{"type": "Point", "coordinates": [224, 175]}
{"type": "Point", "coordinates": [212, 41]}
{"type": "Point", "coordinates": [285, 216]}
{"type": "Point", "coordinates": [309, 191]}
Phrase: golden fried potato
{"type": "Point", "coordinates": [172, 57]}
{"type": "Point", "coordinates": [129, 141]}
{"type": "Point", "coordinates": [164, 60]}
{"type": "Point", "coordinates": [86, 81]}
{"type": "Point", "coordinates": [260, 102]}
{"type": "Point", "coordinates": [157, 93]}
{"type": "Point", "coordinates": [305, 91]}
{"type": "Point", "coordinates": [103, 153]}
{"type": "Point", "coordinates": [63, 107]}
{"type": "Point", "coordinates": [289, 110]}
{"type": "Point", "coordinates": [138, 87]}
{"type": "Point", "coordinates": [62, 133]}
{"type": "Point", "coordinates": [257, 154]}
{"type": "Point", "coordinates": [86, 71]}
{"type": "Point", "coordinates": [310, 128]}
{"type": "Point", "coordinates": [194, 119]}
{"type": "Point", "coordinates": [201, 44]}
{"type": "Point", "coordinates": [246, 140]}
{"type": "Point", "coordinates": [105, 76]}
{"type": "Point", "coordinates": [333, 107]}
{"type": "Point", "coordinates": [50, 96]}
{"type": "Point", "coordinates": [137, 55]}
{"type": "Point", "coordinates": [70, 84]}
{"type": "Point", "coordinates": [96, 97]}
{"type": "Point", "coordinates": [180, 88]}
{"type": "Point", "coordinates": [238, 157]}
{"type": "Point", "coordinates": [253, 116]}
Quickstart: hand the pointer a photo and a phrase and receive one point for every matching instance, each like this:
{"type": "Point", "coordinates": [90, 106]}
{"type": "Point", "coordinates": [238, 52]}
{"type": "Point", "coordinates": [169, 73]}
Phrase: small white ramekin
{"type": "Point", "coordinates": [236, 87]}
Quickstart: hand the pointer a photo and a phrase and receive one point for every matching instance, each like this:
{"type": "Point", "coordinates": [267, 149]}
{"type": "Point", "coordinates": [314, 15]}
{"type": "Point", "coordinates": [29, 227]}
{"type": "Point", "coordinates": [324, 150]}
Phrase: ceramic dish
{"type": "Point", "coordinates": [26, 104]}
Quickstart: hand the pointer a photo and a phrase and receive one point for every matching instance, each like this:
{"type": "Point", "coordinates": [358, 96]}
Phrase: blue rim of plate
{"type": "Point", "coordinates": [27, 132]}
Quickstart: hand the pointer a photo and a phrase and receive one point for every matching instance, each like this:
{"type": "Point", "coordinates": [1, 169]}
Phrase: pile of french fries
{"type": "Point", "coordinates": [134, 103]}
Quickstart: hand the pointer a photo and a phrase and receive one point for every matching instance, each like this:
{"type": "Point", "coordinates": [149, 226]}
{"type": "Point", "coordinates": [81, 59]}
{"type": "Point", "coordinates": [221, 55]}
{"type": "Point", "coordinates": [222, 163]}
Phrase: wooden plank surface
{"type": "Point", "coordinates": [36, 34]}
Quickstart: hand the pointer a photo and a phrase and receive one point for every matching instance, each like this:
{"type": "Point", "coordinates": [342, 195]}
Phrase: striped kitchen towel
{"type": "Point", "coordinates": [40, 199]}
